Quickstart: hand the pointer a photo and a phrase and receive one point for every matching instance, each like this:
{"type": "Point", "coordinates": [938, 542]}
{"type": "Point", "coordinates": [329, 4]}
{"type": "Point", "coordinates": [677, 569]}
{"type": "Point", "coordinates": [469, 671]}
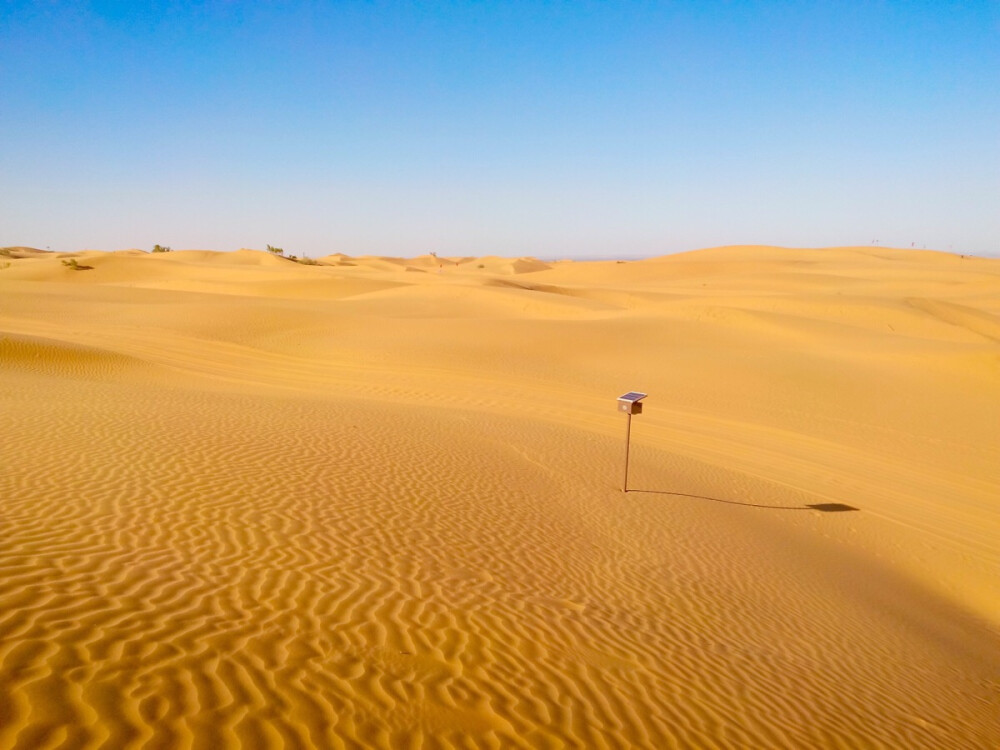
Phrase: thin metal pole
{"type": "Point", "coordinates": [628, 432]}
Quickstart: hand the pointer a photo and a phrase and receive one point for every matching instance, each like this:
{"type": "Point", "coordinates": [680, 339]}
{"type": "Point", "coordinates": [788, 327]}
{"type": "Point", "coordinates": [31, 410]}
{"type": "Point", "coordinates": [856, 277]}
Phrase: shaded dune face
{"type": "Point", "coordinates": [54, 358]}
{"type": "Point", "coordinates": [248, 502]}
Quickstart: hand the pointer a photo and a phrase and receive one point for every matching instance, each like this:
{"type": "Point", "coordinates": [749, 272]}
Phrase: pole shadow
{"type": "Point", "coordinates": [821, 507]}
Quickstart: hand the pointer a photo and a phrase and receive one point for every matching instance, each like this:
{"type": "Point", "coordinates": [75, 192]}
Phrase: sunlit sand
{"type": "Point", "coordinates": [377, 502]}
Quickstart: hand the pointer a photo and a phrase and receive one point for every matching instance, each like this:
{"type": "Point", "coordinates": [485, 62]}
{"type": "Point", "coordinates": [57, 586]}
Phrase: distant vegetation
{"type": "Point", "coordinates": [160, 249]}
{"type": "Point", "coordinates": [72, 265]}
{"type": "Point", "coordinates": [275, 250]}
{"type": "Point", "coordinates": [308, 261]}
{"type": "Point", "coordinates": [5, 252]}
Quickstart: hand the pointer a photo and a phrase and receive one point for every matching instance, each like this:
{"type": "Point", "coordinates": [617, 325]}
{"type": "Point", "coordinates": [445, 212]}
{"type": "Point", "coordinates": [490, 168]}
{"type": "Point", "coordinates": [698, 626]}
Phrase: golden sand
{"type": "Point", "coordinates": [377, 502]}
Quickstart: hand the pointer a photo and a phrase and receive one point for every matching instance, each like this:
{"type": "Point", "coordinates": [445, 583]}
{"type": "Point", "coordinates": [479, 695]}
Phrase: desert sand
{"type": "Point", "coordinates": [377, 502]}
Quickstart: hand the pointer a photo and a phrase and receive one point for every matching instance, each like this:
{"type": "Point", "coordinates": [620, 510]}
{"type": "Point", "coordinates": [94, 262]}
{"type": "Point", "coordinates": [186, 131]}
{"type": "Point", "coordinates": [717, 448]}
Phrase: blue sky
{"type": "Point", "coordinates": [556, 129]}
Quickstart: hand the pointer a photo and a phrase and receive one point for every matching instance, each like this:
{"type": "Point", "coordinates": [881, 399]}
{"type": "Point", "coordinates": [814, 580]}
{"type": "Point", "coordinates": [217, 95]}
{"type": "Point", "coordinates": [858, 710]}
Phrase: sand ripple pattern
{"type": "Point", "coordinates": [181, 569]}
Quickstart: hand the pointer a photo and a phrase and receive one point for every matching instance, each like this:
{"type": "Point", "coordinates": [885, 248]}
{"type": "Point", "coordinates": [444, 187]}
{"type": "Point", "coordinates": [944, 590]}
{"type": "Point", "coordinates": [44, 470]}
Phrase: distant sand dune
{"type": "Point", "coordinates": [21, 252]}
{"type": "Point", "coordinates": [249, 502]}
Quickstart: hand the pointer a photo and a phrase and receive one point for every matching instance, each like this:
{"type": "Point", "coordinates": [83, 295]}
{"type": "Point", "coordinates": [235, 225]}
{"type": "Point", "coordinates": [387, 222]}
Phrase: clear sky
{"type": "Point", "coordinates": [555, 129]}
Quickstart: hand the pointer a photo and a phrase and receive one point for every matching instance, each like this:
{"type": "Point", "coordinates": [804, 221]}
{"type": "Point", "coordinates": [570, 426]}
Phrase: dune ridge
{"type": "Point", "coordinates": [251, 502]}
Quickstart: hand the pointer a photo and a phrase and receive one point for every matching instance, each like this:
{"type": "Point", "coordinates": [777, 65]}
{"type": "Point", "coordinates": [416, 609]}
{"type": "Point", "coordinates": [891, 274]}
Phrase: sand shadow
{"type": "Point", "coordinates": [832, 507]}
{"type": "Point", "coordinates": [821, 507]}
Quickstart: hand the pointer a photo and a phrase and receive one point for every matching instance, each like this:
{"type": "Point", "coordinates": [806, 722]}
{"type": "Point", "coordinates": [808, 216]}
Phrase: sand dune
{"type": "Point", "coordinates": [21, 252]}
{"type": "Point", "coordinates": [377, 502]}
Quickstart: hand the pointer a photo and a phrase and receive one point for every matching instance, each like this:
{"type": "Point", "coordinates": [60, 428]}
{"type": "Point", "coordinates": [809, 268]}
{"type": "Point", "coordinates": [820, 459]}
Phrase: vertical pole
{"type": "Point", "coordinates": [628, 431]}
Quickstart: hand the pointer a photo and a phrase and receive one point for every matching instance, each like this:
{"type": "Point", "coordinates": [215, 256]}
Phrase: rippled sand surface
{"type": "Point", "coordinates": [377, 502]}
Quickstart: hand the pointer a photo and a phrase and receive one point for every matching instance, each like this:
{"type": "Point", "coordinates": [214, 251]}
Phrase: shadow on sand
{"type": "Point", "coordinates": [822, 507]}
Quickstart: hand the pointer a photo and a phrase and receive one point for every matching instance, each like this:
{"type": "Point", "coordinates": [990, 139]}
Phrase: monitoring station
{"type": "Point", "coordinates": [630, 403]}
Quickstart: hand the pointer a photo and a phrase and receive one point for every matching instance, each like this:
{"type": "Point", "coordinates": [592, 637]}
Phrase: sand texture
{"type": "Point", "coordinates": [377, 502]}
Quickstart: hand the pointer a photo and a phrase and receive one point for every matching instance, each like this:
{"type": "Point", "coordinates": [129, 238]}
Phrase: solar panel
{"type": "Point", "coordinates": [632, 396]}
